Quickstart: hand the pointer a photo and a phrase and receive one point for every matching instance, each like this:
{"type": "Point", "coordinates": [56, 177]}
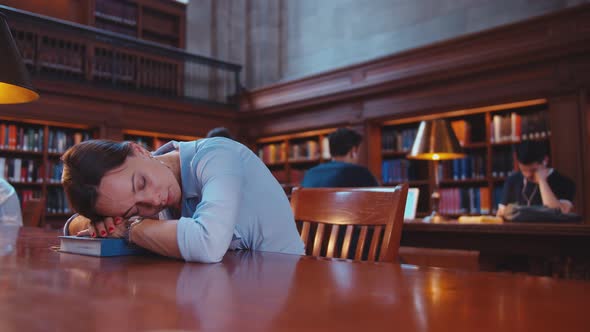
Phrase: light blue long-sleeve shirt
{"type": "Point", "coordinates": [230, 200]}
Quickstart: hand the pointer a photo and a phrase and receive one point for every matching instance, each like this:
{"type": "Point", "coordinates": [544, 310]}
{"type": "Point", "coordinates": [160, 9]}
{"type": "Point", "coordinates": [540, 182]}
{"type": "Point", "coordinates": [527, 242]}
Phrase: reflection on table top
{"type": "Point", "coordinates": [43, 290]}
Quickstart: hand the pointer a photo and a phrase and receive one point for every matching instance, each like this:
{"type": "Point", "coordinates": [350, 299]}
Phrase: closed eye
{"type": "Point", "coordinates": [142, 182]}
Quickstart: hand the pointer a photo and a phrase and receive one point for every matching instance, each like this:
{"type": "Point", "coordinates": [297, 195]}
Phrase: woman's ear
{"type": "Point", "coordinates": [139, 150]}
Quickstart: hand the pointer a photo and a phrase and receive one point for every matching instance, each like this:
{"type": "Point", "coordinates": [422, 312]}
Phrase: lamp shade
{"type": "Point", "coordinates": [436, 140]}
{"type": "Point", "coordinates": [15, 85]}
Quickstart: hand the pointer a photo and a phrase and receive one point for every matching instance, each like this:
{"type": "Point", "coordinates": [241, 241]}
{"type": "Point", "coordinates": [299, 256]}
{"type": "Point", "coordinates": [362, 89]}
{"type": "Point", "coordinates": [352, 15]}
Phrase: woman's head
{"type": "Point", "coordinates": [104, 178]}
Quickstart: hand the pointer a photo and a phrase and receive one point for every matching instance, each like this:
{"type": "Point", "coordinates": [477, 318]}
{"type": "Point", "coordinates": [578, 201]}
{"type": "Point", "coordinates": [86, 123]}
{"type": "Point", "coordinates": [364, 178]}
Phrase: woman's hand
{"type": "Point", "coordinates": [108, 227]}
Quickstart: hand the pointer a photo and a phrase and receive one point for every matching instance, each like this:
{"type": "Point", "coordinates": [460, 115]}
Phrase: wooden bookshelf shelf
{"type": "Point", "coordinates": [21, 152]}
{"type": "Point", "coordinates": [394, 154]}
{"type": "Point", "coordinates": [476, 145]}
{"type": "Point", "coordinates": [304, 161]}
{"type": "Point", "coordinates": [59, 215]}
{"type": "Point", "coordinates": [115, 19]}
{"type": "Point", "coordinates": [463, 181]}
{"type": "Point", "coordinates": [26, 184]}
{"type": "Point", "coordinates": [411, 183]}
{"type": "Point", "coordinates": [302, 151]}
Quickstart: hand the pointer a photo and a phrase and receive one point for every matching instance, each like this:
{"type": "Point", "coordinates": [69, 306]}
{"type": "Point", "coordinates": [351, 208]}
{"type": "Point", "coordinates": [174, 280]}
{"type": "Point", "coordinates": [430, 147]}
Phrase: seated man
{"type": "Point", "coordinates": [342, 171]}
{"type": "Point", "coordinates": [535, 184]}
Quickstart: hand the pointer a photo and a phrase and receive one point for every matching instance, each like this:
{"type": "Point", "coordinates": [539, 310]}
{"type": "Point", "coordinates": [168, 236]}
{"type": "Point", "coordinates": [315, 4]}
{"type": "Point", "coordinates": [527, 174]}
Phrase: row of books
{"type": "Point", "coordinates": [398, 170]}
{"type": "Point", "coordinates": [503, 164]}
{"type": "Point", "coordinates": [307, 150]}
{"type": "Point", "coordinates": [55, 168]}
{"type": "Point", "coordinates": [25, 195]}
{"type": "Point", "coordinates": [497, 196]}
{"type": "Point", "coordinates": [21, 170]}
{"type": "Point", "coordinates": [398, 140]}
{"type": "Point", "coordinates": [56, 201]}
{"type": "Point", "coordinates": [273, 153]}
{"type": "Point", "coordinates": [516, 127]}
{"type": "Point", "coordinates": [471, 167]}
{"type": "Point", "coordinates": [465, 200]}
{"type": "Point", "coordinates": [462, 130]}
{"type": "Point", "coordinates": [116, 10]}
{"type": "Point", "coordinates": [60, 140]}
{"type": "Point", "coordinates": [17, 137]}
{"type": "Point", "coordinates": [54, 56]}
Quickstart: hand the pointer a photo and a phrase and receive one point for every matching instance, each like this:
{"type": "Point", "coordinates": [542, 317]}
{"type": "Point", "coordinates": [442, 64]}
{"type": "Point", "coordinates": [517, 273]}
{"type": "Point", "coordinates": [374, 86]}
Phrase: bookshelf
{"type": "Point", "coordinates": [153, 140]}
{"type": "Point", "coordinates": [157, 21]}
{"type": "Point", "coordinates": [30, 154]}
{"type": "Point", "coordinates": [289, 156]}
{"type": "Point", "coordinates": [472, 185]}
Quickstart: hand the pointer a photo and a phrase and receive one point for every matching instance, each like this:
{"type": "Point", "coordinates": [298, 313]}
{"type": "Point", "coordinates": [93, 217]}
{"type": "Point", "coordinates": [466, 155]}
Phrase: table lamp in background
{"type": "Point", "coordinates": [15, 85]}
{"type": "Point", "coordinates": [435, 141]}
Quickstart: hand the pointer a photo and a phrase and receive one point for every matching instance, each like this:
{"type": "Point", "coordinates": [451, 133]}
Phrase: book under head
{"type": "Point", "coordinates": [103, 247]}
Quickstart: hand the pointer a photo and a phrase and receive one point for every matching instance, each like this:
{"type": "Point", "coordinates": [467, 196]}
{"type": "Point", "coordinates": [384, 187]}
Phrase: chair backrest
{"type": "Point", "coordinates": [32, 211]}
{"type": "Point", "coordinates": [351, 215]}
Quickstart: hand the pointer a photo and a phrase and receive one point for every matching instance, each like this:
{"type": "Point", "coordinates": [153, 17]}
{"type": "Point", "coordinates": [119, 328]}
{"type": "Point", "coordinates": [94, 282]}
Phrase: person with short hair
{"type": "Point", "coordinates": [342, 170]}
{"type": "Point", "coordinates": [10, 212]}
{"type": "Point", "coordinates": [192, 200]}
{"type": "Point", "coordinates": [535, 183]}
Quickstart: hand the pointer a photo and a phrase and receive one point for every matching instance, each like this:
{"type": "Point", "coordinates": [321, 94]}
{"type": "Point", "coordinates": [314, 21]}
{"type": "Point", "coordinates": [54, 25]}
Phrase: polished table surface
{"type": "Point", "coordinates": [531, 239]}
{"type": "Point", "coordinates": [43, 290]}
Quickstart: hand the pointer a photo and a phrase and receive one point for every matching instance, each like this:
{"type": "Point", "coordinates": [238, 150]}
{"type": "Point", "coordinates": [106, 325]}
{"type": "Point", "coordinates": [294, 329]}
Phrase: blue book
{"type": "Point", "coordinates": [103, 247]}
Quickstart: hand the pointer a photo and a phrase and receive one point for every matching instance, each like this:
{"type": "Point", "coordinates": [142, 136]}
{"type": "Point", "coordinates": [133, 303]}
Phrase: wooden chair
{"type": "Point", "coordinates": [32, 212]}
{"type": "Point", "coordinates": [379, 211]}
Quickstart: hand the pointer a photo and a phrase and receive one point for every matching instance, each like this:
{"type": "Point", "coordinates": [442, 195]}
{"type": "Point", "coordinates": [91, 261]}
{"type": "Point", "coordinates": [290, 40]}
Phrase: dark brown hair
{"type": "Point", "coordinates": [219, 132]}
{"type": "Point", "coordinates": [343, 140]}
{"type": "Point", "coordinates": [85, 164]}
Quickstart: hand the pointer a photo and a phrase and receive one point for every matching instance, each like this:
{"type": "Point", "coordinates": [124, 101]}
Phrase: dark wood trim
{"type": "Point", "coordinates": [524, 44]}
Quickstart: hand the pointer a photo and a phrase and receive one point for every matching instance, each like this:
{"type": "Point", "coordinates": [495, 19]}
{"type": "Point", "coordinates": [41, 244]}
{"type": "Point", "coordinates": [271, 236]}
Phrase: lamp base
{"type": "Point", "coordinates": [435, 218]}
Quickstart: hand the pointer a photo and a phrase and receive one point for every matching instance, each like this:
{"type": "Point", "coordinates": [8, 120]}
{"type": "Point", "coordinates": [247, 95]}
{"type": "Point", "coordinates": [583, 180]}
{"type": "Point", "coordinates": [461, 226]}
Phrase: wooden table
{"type": "Point", "coordinates": [560, 250]}
{"type": "Point", "coordinates": [42, 290]}
{"type": "Point", "coordinates": [533, 239]}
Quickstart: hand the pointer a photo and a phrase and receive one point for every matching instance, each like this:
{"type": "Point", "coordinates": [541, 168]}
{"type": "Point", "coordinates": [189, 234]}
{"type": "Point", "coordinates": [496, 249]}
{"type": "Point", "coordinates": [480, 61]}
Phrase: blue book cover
{"type": "Point", "coordinates": [103, 247]}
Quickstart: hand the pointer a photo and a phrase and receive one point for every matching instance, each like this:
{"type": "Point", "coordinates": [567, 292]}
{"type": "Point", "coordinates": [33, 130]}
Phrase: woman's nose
{"type": "Point", "coordinates": [152, 199]}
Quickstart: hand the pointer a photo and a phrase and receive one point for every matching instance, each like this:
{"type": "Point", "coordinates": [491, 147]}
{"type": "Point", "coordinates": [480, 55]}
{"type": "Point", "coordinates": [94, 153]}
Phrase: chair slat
{"type": "Point", "coordinates": [332, 241]}
{"type": "Point", "coordinates": [346, 243]}
{"type": "Point", "coordinates": [374, 243]}
{"type": "Point", "coordinates": [319, 237]}
{"type": "Point", "coordinates": [305, 232]}
{"type": "Point", "coordinates": [361, 244]}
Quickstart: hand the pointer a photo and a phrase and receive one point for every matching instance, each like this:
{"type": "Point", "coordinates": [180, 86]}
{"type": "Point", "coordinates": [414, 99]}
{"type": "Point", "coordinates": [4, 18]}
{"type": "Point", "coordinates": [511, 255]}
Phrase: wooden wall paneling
{"type": "Point", "coordinates": [585, 115]}
{"type": "Point", "coordinates": [566, 142]}
{"type": "Point", "coordinates": [521, 44]}
{"type": "Point", "coordinates": [373, 144]}
{"type": "Point", "coordinates": [320, 117]}
{"type": "Point", "coordinates": [70, 10]}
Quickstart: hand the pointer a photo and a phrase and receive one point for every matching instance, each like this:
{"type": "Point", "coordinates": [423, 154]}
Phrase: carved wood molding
{"type": "Point", "coordinates": [546, 38]}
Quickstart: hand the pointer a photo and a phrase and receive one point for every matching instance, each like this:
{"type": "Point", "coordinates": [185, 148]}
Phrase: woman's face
{"type": "Point", "coordinates": [142, 186]}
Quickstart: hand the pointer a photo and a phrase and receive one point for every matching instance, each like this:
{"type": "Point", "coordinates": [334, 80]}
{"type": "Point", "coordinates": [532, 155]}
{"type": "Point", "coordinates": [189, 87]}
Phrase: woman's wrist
{"type": "Point", "coordinates": [131, 224]}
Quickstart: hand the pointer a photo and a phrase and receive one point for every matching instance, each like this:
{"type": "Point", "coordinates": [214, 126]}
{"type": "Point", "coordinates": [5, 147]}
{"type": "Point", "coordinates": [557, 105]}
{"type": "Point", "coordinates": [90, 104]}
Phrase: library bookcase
{"type": "Point", "coordinates": [153, 140]}
{"type": "Point", "coordinates": [472, 185]}
{"type": "Point", "coordinates": [289, 156]}
{"type": "Point", "coordinates": [30, 154]}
